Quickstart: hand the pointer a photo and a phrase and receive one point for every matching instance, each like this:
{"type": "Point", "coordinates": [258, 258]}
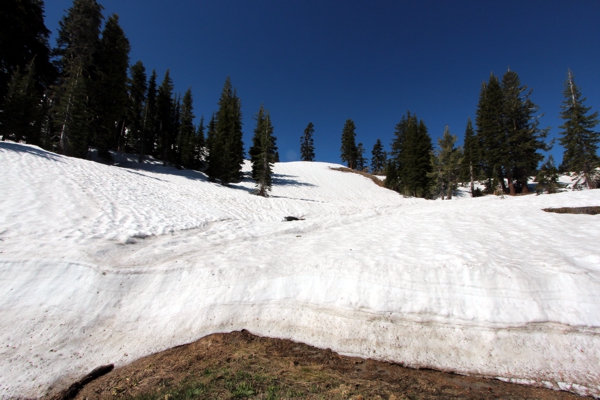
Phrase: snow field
{"type": "Point", "coordinates": [102, 264]}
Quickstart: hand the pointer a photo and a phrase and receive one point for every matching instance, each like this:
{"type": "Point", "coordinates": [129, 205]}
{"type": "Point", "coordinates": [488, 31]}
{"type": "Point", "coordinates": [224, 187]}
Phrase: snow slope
{"type": "Point", "coordinates": [103, 264]}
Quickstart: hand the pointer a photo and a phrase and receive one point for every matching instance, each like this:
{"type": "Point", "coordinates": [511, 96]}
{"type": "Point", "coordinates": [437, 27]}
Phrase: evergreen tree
{"type": "Point", "coordinates": [137, 88]}
{"type": "Point", "coordinates": [187, 133]}
{"type": "Point", "coordinates": [71, 115]}
{"type": "Point", "coordinates": [523, 137]}
{"type": "Point", "coordinates": [22, 111]}
{"type": "Point", "coordinates": [262, 152]}
{"type": "Point", "coordinates": [150, 120]}
{"type": "Point", "coordinates": [410, 165]}
{"type": "Point", "coordinates": [578, 137]}
{"type": "Point", "coordinates": [470, 161]}
{"type": "Point", "coordinates": [348, 149]}
{"type": "Point", "coordinates": [547, 177]}
{"type": "Point", "coordinates": [446, 165]}
{"type": "Point", "coordinates": [378, 159]}
{"type": "Point", "coordinates": [77, 42]}
{"type": "Point", "coordinates": [491, 139]}
{"type": "Point", "coordinates": [109, 98]}
{"type": "Point", "coordinates": [174, 150]}
{"type": "Point", "coordinates": [213, 149]}
{"type": "Point", "coordinates": [164, 114]}
{"type": "Point", "coordinates": [307, 147]}
{"type": "Point", "coordinates": [226, 148]}
{"type": "Point", "coordinates": [23, 39]}
{"type": "Point", "coordinates": [361, 161]}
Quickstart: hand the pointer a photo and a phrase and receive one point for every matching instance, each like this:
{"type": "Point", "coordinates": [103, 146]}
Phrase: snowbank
{"type": "Point", "coordinates": [103, 264]}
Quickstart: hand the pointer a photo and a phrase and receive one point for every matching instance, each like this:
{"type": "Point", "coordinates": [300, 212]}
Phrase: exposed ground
{"type": "Point", "coordinates": [241, 365]}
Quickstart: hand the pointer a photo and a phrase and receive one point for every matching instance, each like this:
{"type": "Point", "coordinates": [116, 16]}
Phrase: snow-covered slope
{"type": "Point", "coordinates": [103, 264]}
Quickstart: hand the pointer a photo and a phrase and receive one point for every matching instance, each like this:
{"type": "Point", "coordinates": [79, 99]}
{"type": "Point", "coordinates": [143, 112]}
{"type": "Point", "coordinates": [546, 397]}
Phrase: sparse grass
{"type": "Point", "coordinates": [372, 177]}
{"type": "Point", "coordinates": [574, 210]}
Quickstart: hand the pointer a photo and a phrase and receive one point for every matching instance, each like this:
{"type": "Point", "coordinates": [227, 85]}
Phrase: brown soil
{"type": "Point", "coordinates": [241, 365]}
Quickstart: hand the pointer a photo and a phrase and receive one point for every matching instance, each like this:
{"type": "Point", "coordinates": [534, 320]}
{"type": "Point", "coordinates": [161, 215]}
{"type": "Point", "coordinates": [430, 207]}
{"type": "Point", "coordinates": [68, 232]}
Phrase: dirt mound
{"type": "Point", "coordinates": [241, 365]}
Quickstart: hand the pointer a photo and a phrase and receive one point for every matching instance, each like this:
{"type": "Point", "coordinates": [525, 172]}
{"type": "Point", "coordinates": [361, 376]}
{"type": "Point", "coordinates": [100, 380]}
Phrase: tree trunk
{"type": "Point", "coordinates": [472, 180]}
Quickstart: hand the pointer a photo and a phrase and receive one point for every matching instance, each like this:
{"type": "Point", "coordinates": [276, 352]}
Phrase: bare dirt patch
{"type": "Point", "coordinates": [574, 210]}
{"type": "Point", "coordinates": [241, 365]}
{"type": "Point", "coordinates": [372, 177]}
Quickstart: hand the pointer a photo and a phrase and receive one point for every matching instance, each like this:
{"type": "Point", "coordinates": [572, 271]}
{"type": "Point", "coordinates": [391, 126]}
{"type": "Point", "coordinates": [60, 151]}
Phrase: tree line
{"type": "Point", "coordinates": [84, 93]}
{"type": "Point", "coordinates": [503, 150]}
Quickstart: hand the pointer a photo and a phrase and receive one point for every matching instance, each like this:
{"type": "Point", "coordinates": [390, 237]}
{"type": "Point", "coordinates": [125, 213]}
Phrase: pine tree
{"type": "Point", "coordinates": [307, 147]}
{"type": "Point", "coordinates": [109, 98]}
{"type": "Point", "coordinates": [410, 165]}
{"type": "Point", "coordinates": [226, 148]}
{"type": "Point", "coordinates": [378, 159]}
{"type": "Point", "coordinates": [470, 161]}
{"type": "Point", "coordinates": [150, 120]}
{"type": "Point", "coordinates": [137, 88]}
{"type": "Point", "coordinates": [164, 113]}
{"type": "Point", "coordinates": [72, 117]}
{"type": "Point", "coordinates": [491, 139]}
{"type": "Point", "coordinates": [187, 133]}
{"type": "Point", "coordinates": [348, 149]}
{"type": "Point", "coordinates": [213, 157]}
{"type": "Point", "coordinates": [77, 42]}
{"type": "Point", "coordinates": [22, 111]}
{"type": "Point", "coordinates": [547, 177]}
{"type": "Point", "coordinates": [523, 137]}
{"type": "Point", "coordinates": [361, 161]}
{"type": "Point", "coordinates": [578, 137]}
{"type": "Point", "coordinates": [446, 165]}
{"type": "Point", "coordinates": [23, 39]}
{"type": "Point", "coordinates": [262, 152]}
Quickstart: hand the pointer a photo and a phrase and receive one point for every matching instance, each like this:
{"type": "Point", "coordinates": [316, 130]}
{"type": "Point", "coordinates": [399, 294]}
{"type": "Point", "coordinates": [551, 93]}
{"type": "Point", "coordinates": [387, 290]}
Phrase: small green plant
{"type": "Point", "coordinates": [243, 389]}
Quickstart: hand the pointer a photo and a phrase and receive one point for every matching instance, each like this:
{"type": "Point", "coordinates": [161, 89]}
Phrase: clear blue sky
{"type": "Point", "coordinates": [370, 61]}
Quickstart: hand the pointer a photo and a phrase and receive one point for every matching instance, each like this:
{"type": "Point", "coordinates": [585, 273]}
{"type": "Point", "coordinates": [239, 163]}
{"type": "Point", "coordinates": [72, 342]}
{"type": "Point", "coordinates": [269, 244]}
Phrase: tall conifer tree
{"type": "Point", "coordinates": [378, 158]}
{"type": "Point", "coordinates": [164, 113]}
{"type": "Point", "coordinates": [77, 42]}
{"type": "Point", "coordinates": [262, 152]}
{"type": "Point", "coordinates": [470, 161]}
{"type": "Point", "coordinates": [579, 139]}
{"type": "Point", "coordinates": [307, 146]}
{"type": "Point", "coordinates": [137, 88]}
{"type": "Point", "coordinates": [150, 120]}
{"type": "Point", "coordinates": [109, 98]}
{"type": "Point", "coordinates": [348, 149]}
{"type": "Point", "coordinates": [187, 133]}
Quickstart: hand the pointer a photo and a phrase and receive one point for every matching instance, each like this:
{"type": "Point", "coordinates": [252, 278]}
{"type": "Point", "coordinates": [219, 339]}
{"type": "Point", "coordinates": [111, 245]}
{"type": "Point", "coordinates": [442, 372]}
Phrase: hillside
{"type": "Point", "coordinates": [105, 264]}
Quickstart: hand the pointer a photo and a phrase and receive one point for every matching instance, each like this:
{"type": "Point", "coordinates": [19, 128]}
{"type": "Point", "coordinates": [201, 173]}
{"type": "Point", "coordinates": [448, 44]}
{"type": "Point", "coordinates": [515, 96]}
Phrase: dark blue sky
{"type": "Point", "coordinates": [370, 61]}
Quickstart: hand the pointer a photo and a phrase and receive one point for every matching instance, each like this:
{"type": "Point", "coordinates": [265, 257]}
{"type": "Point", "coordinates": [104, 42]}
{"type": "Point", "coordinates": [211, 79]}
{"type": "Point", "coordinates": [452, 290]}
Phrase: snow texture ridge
{"type": "Point", "coordinates": [105, 264]}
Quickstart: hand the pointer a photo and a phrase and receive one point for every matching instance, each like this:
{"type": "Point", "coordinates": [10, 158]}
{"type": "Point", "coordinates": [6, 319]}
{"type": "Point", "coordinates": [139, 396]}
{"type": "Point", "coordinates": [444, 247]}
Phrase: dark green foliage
{"type": "Point", "coordinates": [212, 157]}
{"type": "Point", "coordinates": [408, 170]}
{"type": "Point", "coordinates": [226, 148]}
{"type": "Point", "coordinates": [307, 146]}
{"type": "Point", "coordinates": [186, 140]}
{"type": "Point", "coordinates": [348, 149]}
{"type": "Point", "coordinates": [578, 137]}
{"type": "Point", "coordinates": [361, 161]}
{"type": "Point", "coordinates": [109, 96]}
{"type": "Point", "coordinates": [22, 111]}
{"type": "Point", "coordinates": [137, 88]}
{"type": "Point", "coordinates": [78, 35]}
{"type": "Point", "coordinates": [77, 42]}
{"type": "Point", "coordinates": [262, 152]}
{"type": "Point", "coordinates": [23, 39]}
{"type": "Point", "coordinates": [164, 118]}
{"type": "Point", "coordinates": [547, 177]}
{"type": "Point", "coordinates": [470, 161]}
{"type": "Point", "coordinates": [150, 120]}
{"type": "Point", "coordinates": [490, 130]}
{"type": "Point", "coordinates": [71, 115]}
{"type": "Point", "coordinates": [446, 164]}
{"type": "Point", "coordinates": [508, 136]}
{"type": "Point", "coordinates": [378, 159]}
{"type": "Point", "coordinates": [523, 137]}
